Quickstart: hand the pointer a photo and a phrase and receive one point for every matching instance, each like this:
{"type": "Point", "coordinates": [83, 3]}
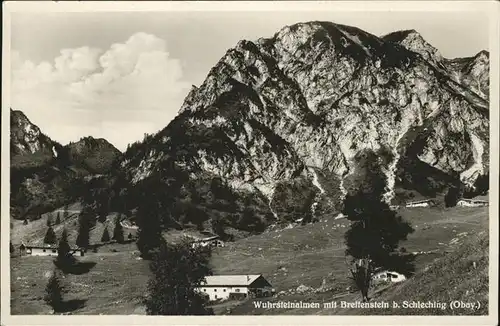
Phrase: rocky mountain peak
{"type": "Point", "coordinates": [472, 72]}
{"type": "Point", "coordinates": [91, 143]}
{"type": "Point", "coordinates": [289, 115]}
{"type": "Point", "coordinates": [27, 137]}
{"type": "Point", "coordinates": [28, 144]}
{"type": "Point", "coordinates": [45, 174]}
{"type": "Point", "coordinates": [413, 41]}
{"type": "Point", "coordinates": [483, 55]}
{"type": "Point", "coordinates": [96, 154]}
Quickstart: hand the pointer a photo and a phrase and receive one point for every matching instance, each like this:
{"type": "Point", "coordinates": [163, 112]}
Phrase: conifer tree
{"type": "Point", "coordinates": [452, 196]}
{"type": "Point", "coordinates": [53, 292]}
{"type": "Point", "coordinates": [66, 212]}
{"type": "Point", "coordinates": [218, 227]}
{"type": "Point", "coordinates": [102, 212]}
{"type": "Point", "coordinates": [155, 209]}
{"type": "Point", "coordinates": [83, 238]}
{"type": "Point", "coordinates": [177, 273]}
{"type": "Point", "coordinates": [50, 236]}
{"type": "Point", "coordinates": [149, 236]}
{"type": "Point", "coordinates": [58, 218]}
{"type": "Point", "coordinates": [63, 250]}
{"type": "Point", "coordinates": [49, 220]}
{"type": "Point", "coordinates": [149, 216]}
{"type": "Point", "coordinates": [118, 230]}
{"type": "Point", "coordinates": [373, 238]}
{"type": "Point", "coordinates": [105, 235]}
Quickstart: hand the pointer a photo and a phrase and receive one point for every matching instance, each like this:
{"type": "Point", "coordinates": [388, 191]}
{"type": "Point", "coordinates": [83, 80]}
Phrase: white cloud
{"type": "Point", "coordinates": [88, 91]}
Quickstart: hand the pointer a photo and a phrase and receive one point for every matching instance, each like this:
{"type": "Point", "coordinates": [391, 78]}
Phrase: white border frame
{"type": "Point", "coordinates": [491, 8]}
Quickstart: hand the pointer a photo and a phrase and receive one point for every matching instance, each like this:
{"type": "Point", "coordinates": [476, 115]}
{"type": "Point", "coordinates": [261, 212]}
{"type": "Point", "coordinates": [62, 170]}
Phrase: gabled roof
{"type": "Point", "coordinates": [215, 237]}
{"type": "Point", "coordinates": [420, 201]}
{"type": "Point", "coordinates": [386, 272]}
{"type": "Point", "coordinates": [230, 280]}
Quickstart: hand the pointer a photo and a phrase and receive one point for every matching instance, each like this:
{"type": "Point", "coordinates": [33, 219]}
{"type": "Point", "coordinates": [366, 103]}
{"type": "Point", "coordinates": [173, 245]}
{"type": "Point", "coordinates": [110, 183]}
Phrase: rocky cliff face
{"type": "Point", "coordinates": [28, 145]}
{"type": "Point", "coordinates": [472, 72]}
{"type": "Point", "coordinates": [302, 104]}
{"type": "Point", "coordinates": [413, 41]}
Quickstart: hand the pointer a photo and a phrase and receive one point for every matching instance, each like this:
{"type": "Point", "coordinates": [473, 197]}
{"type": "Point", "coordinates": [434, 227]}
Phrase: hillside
{"type": "Point", "coordinates": [313, 256]}
{"type": "Point", "coordinates": [308, 257]}
{"type": "Point", "coordinates": [29, 147]}
{"type": "Point", "coordinates": [45, 174]}
{"type": "Point", "coordinates": [96, 155]}
{"type": "Point", "coordinates": [278, 121]}
{"type": "Point", "coordinates": [461, 275]}
{"type": "Point", "coordinates": [34, 232]}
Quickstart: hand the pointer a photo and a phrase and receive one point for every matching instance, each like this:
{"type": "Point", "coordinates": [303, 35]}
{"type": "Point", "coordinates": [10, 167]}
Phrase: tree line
{"type": "Point", "coordinates": [84, 228]}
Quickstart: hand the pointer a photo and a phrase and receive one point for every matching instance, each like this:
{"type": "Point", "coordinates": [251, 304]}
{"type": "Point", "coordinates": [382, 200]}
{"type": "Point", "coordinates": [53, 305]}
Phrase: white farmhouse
{"type": "Point", "coordinates": [388, 276]}
{"type": "Point", "coordinates": [41, 251]}
{"type": "Point", "coordinates": [472, 202]}
{"type": "Point", "coordinates": [420, 203]}
{"type": "Point", "coordinates": [46, 250]}
{"type": "Point", "coordinates": [208, 242]}
{"type": "Point", "coordinates": [223, 287]}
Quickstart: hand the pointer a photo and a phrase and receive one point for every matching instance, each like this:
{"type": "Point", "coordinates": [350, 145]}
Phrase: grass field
{"type": "Point", "coordinates": [309, 255]}
{"type": "Point", "coordinates": [439, 230]}
{"type": "Point", "coordinates": [461, 275]}
{"type": "Point", "coordinates": [115, 285]}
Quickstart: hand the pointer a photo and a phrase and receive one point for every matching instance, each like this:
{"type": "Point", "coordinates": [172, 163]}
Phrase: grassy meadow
{"type": "Point", "coordinates": [309, 256]}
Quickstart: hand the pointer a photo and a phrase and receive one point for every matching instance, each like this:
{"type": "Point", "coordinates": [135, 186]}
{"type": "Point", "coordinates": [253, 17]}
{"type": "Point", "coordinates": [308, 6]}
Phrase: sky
{"type": "Point", "coordinates": [118, 75]}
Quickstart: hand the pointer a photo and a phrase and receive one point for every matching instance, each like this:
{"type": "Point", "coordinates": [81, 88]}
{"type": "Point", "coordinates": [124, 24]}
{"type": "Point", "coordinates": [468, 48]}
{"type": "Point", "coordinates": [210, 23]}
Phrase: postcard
{"type": "Point", "coordinates": [236, 163]}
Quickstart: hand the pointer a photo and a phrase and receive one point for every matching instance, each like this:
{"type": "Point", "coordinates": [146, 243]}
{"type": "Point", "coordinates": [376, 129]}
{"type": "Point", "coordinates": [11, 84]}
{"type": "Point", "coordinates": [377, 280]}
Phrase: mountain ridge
{"type": "Point", "coordinates": [46, 174]}
{"type": "Point", "coordinates": [242, 124]}
{"type": "Point", "coordinates": [277, 127]}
